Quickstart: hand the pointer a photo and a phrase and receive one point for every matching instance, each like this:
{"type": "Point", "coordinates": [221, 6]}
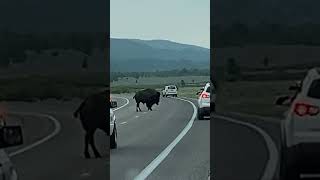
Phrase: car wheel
{"type": "Point", "coordinates": [288, 161]}
{"type": "Point", "coordinates": [200, 115]}
{"type": "Point", "coordinates": [113, 139]}
{"type": "Point", "coordinates": [288, 166]}
{"type": "Point", "coordinates": [213, 107]}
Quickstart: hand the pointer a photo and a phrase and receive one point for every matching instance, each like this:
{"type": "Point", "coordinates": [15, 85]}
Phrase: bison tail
{"type": "Point", "coordinates": [75, 114]}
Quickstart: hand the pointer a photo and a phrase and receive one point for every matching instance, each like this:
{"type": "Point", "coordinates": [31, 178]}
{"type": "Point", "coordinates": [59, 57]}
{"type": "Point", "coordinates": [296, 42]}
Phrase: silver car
{"type": "Point", "coordinates": [204, 102]}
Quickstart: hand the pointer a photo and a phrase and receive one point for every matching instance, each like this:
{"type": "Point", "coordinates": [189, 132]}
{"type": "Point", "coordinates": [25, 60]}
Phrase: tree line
{"type": "Point", "coordinates": [240, 34]}
{"type": "Point", "coordinates": [115, 76]}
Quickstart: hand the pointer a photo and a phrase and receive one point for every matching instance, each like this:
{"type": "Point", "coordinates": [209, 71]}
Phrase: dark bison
{"type": "Point", "coordinates": [93, 113]}
{"type": "Point", "coordinates": [148, 97]}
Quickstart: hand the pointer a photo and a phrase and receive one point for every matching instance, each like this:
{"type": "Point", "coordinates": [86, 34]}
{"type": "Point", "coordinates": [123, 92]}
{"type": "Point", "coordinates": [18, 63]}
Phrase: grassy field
{"type": "Point", "coordinates": [193, 84]}
{"type": "Point", "coordinates": [62, 87]}
{"type": "Point", "coordinates": [189, 91]}
{"type": "Point", "coordinates": [253, 97]}
{"type": "Point", "coordinates": [159, 80]}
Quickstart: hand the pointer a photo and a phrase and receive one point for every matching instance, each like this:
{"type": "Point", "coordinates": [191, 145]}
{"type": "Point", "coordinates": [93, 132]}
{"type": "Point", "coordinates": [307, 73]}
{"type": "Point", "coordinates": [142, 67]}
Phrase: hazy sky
{"type": "Point", "coordinates": [184, 21]}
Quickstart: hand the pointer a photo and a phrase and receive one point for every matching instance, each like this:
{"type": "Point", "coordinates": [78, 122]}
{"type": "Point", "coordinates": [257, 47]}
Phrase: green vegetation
{"type": "Point", "coordinates": [188, 86]}
{"type": "Point", "coordinates": [252, 97]}
{"type": "Point", "coordinates": [116, 76]}
{"type": "Point", "coordinates": [189, 91]}
{"type": "Point", "coordinates": [239, 34]}
{"type": "Point", "coordinates": [61, 87]}
{"type": "Point", "coordinates": [13, 46]}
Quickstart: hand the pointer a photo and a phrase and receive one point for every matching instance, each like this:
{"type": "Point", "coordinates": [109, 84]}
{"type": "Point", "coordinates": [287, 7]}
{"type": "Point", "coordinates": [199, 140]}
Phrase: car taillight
{"type": "Point", "coordinates": [205, 95]}
{"type": "Point", "coordinates": [303, 109]}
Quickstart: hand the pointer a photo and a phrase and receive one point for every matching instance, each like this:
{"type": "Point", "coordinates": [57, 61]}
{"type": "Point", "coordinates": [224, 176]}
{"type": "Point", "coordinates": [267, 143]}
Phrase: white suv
{"type": "Point", "coordinates": [9, 136]}
{"type": "Point", "coordinates": [113, 127]}
{"type": "Point", "coordinates": [300, 131]}
{"type": "Point", "coordinates": [170, 90]}
{"type": "Point", "coordinates": [204, 102]}
{"type": "Point", "coordinates": [7, 169]}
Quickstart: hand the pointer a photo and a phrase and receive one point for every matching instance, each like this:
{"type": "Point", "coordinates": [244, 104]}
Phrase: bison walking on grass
{"type": "Point", "coordinates": [148, 97]}
{"type": "Point", "coordinates": [93, 113]}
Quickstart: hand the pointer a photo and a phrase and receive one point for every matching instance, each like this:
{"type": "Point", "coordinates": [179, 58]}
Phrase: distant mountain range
{"type": "Point", "coordinates": [127, 55]}
{"type": "Point", "coordinates": [152, 55]}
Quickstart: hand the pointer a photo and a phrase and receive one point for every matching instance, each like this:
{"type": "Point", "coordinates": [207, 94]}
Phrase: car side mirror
{"type": "Point", "coordinates": [10, 136]}
{"type": "Point", "coordinates": [294, 88]}
{"type": "Point", "coordinates": [113, 104]}
{"type": "Point", "coordinates": [283, 101]}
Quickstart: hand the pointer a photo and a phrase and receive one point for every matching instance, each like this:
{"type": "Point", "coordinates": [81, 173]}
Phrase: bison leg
{"type": "Point", "coordinates": [86, 146]}
{"type": "Point", "coordinates": [138, 107]}
{"type": "Point", "coordinates": [149, 106]}
{"type": "Point", "coordinates": [93, 146]}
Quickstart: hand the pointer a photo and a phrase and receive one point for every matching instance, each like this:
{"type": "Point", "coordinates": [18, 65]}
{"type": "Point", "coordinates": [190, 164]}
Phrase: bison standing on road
{"type": "Point", "coordinates": [148, 97]}
{"type": "Point", "coordinates": [93, 115]}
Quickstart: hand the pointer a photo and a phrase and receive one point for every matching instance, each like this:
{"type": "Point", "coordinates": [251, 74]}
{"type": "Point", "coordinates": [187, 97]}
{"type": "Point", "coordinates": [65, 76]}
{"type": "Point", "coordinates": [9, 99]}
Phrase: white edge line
{"type": "Point", "coordinates": [127, 102]}
{"type": "Point", "coordinates": [51, 135]}
{"type": "Point", "coordinates": [309, 175]}
{"type": "Point", "coordinates": [270, 169]}
{"type": "Point", "coordinates": [148, 169]}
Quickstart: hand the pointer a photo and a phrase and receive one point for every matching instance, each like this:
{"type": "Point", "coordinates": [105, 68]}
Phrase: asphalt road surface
{"type": "Point", "coordinates": [61, 157]}
{"type": "Point", "coordinates": [142, 136]}
{"type": "Point", "coordinates": [240, 152]}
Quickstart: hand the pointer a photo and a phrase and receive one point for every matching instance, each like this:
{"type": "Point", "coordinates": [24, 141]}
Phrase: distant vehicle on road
{"type": "Point", "coordinates": [113, 103]}
{"type": "Point", "coordinates": [204, 101]}
{"type": "Point", "coordinates": [9, 136]}
{"type": "Point", "coordinates": [300, 130]}
{"type": "Point", "coordinates": [170, 90]}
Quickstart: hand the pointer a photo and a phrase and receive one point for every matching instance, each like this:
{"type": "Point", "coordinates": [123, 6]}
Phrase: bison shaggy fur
{"type": "Point", "coordinates": [148, 97]}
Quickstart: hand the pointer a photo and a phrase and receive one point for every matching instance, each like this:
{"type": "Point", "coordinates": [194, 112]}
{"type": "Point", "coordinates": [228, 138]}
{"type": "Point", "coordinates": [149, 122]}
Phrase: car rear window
{"type": "Point", "coordinates": [208, 90]}
{"type": "Point", "coordinates": [171, 87]}
{"type": "Point", "coordinates": [314, 90]}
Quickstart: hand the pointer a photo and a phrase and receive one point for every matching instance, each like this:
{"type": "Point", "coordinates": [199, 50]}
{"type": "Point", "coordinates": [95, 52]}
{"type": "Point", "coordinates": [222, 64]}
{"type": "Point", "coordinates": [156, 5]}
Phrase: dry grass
{"type": "Point", "coordinates": [252, 97]}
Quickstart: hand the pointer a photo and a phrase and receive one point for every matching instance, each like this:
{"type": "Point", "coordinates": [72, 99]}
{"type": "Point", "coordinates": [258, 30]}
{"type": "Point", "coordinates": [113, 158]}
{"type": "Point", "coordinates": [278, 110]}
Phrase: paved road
{"type": "Point", "coordinates": [62, 156]}
{"type": "Point", "coordinates": [144, 135]}
{"type": "Point", "coordinates": [240, 152]}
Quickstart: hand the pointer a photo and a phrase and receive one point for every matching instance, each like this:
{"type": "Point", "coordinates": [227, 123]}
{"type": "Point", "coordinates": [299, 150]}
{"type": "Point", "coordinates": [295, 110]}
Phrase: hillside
{"type": "Point", "coordinates": [152, 55]}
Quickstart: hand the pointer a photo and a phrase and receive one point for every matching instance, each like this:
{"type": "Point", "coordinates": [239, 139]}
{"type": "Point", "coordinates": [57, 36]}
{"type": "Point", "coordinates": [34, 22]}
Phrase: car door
{"type": "Point", "coordinates": [5, 165]}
